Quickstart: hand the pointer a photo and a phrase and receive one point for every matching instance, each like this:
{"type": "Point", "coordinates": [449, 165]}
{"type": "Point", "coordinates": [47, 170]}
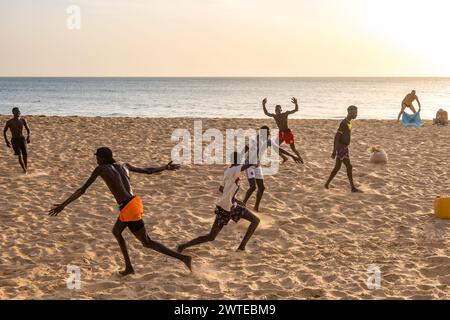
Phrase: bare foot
{"type": "Point", "coordinates": [188, 262]}
{"type": "Point", "coordinates": [355, 190]}
{"type": "Point", "coordinates": [126, 272]}
{"type": "Point", "coordinates": [327, 186]}
{"type": "Point", "coordinates": [241, 249]}
{"type": "Point", "coordinates": [179, 248]}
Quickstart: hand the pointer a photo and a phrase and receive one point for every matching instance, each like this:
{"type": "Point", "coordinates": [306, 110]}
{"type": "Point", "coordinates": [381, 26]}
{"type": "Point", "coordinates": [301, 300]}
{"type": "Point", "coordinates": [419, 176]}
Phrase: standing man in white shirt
{"type": "Point", "coordinates": [227, 208]}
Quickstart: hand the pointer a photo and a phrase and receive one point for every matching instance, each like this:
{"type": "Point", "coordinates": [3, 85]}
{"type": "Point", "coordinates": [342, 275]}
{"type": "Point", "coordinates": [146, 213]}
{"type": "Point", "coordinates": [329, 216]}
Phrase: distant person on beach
{"type": "Point", "coordinates": [340, 151]}
{"type": "Point", "coordinates": [116, 177]}
{"type": "Point", "coordinates": [18, 141]}
{"type": "Point", "coordinates": [228, 208]}
{"type": "Point", "coordinates": [408, 103]}
{"type": "Point", "coordinates": [255, 174]}
{"type": "Point", "coordinates": [281, 118]}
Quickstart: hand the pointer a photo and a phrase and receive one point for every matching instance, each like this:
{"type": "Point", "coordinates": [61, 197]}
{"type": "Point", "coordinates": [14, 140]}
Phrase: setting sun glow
{"type": "Point", "coordinates": [226, 38]}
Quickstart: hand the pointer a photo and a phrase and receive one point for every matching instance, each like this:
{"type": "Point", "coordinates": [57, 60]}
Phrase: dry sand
{"type": "Point", "coordinates": [312, 243]}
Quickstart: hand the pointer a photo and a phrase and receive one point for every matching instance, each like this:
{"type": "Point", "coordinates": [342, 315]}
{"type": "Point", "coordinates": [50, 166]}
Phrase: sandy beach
{"type": "Point", "coordinates": [311, 244]}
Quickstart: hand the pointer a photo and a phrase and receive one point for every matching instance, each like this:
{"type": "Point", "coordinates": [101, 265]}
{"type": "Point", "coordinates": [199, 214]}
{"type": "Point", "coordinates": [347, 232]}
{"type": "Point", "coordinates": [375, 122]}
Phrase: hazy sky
{"type": "Point", "coordinates": [226, 38]}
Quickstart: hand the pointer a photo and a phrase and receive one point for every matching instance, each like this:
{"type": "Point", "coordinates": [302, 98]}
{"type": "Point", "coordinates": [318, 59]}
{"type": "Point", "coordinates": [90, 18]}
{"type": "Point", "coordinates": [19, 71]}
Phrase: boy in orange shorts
{"type": "Point", "coordinates": [116, 177]}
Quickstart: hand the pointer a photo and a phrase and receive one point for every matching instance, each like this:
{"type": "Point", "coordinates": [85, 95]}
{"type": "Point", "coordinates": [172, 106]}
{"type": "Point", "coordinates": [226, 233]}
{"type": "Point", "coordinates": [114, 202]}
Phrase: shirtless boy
{"type": "Point", "coordinates": [116, 177]}
{"type": "Point", "coordinates": [18, 141]}
{"type": "Point", "coordinates": [281, 118]}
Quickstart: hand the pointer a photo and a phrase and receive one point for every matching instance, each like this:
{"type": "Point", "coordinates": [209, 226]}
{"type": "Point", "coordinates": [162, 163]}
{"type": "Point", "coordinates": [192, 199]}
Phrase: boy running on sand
{"type": "Point", "coordinates": [255, 174]}
{"type": "Point", "coordinates": [18, 141]}
{"type": "Point", "coordinates": [116, 177]}
{"type": "Point", "coordinates": [227, 208]}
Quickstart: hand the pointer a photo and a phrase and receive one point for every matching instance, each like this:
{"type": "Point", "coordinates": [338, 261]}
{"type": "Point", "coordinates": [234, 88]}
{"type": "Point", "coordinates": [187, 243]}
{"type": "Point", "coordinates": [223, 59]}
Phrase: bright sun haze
{"type": "Point", "coordinates": [226, 38]}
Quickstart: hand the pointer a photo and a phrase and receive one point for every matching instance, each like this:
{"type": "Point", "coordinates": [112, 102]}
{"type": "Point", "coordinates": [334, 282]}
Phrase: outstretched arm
{"type": "Point", "coordinates": [5, 130]}
{"type": "Point", "coordinates": [264, 103]}
{"type": "Point", "coordinates": [60, 207]}
{"type": "Point", "coordinates": [28, 130]}
{"type": "Point", "coordinates": [152, 170]}
{"type": "Point", "coordinates": [295, 102]}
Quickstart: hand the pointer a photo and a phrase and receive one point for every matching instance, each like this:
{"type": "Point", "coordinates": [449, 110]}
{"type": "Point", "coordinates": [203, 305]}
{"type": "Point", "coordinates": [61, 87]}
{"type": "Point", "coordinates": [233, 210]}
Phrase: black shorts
{"type": "Point", "coordinates": [224, 217]}
{"type": "Point", "coordinates": [19, 146]}
{"type": "Point", "coordinates": [134, 226]}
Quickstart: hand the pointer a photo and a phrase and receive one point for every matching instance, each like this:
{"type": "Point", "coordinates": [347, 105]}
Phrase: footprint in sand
{"type": "Point", "coordinates": [442, 270]}
{"type": "Point", "coordinates": [99, 286]}
{"type": "Point", "coordinates": [33, 174]}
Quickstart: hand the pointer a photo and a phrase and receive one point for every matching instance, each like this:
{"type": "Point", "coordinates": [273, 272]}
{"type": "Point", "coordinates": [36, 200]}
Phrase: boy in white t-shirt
{"type": "Point", "coordinates": [255, 175]}
{"type": "Point", "coordinates": [227, 208]}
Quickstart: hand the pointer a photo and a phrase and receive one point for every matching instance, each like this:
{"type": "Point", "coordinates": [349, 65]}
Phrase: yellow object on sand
{"type": "Point", "coordinates": [442, 207]}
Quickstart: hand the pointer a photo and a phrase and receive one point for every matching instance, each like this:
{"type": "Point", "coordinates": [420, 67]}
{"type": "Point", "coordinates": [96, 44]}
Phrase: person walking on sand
{"type": "Point", "coordinates": [340, 151]}
{"type": "Point", "coordinates": [18, 141]}
{"type": "Point", "coordinates": [257, 147]}
{"type": "Point", "coordinates": [227, 208]}
{"type": "Point", "coordinates": [116, 177]}
{"type": "Point", "coordinates": [281, 118]}
{"type": "Point", "coordinates": [408, 103]}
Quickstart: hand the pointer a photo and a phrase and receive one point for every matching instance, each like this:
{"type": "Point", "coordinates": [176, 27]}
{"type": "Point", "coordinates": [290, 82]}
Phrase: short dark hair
{"type": "Point", "coordinates": [15, 109]}
{"type": "Point", "coordinates": [352, 108]}
{"type": "Point", "coordinates": [105, 153]}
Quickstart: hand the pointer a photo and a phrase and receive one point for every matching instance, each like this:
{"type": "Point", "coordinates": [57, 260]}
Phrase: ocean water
{"type": "Point", "coordinates": [320, 98]}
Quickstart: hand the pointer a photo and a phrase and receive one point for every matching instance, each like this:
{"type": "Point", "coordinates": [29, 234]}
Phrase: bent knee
{"type": "Point", "coordinates": [116, 233]}
{"type": "Point", "coordinates": [147, 243]}
{"type": "Point", "coordinates": [252, 189]}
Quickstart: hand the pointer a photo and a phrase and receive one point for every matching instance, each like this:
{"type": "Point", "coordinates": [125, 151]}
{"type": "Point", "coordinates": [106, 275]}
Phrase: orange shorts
{"type": "Point", "coordinates": [133, 211]}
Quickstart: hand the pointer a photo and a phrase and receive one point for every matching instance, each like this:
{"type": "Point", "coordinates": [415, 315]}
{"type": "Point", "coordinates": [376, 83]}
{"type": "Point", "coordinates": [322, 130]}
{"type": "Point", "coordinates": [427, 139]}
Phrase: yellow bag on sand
{"type": "Point", "coordinates": [442, 207]}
